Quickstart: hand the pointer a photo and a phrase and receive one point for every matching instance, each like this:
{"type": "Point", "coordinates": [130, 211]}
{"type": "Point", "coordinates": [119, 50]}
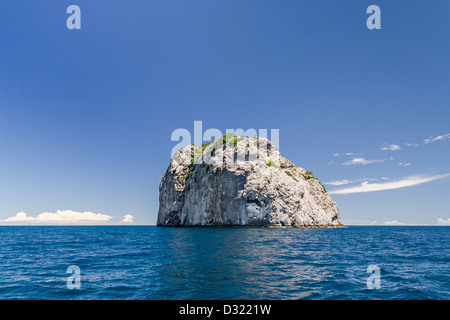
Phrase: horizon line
{"type": "Point", "coordinates": [154, 225]}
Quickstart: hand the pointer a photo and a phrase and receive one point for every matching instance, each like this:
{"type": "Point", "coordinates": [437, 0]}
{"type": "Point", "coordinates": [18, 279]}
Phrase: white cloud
{"type": "Point", "coordinates": [128, 218]}
{"type": "Point", "coordinates": [391, 147]}
{"type": "Point", "coordinates": [411, 144]}
{"type": "Point", "coordinates": [58, 217]}
{"type": "Point", "coordinates": [347, 154]}
{"type": "Point", "coordinates": [361, 161]}
{"type": "Point", "coordinates": [393, 223]}
{"type": "Point", "coordinates": [444, 222]}
{"type": "Point", "coordinates": [401, 164]}
{"type": "Point", "coordinates": [406, 182]}
{"type": "Point", "coordinates": [19, 217]}
{"type": "Point", "coordinates": [346, 181]}
{"type": "Point", "coordinates": [442, 137]}
{"type": "Point", "coordinates": [339, 182]}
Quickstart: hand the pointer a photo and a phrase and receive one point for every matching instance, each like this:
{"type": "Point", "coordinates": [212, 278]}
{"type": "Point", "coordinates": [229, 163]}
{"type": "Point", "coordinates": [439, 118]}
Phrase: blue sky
{"type": "Point", "coordinates": [86, 115]}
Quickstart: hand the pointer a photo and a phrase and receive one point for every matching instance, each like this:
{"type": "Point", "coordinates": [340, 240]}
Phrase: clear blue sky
{"type": "Point", "coordinates": [86, 115]}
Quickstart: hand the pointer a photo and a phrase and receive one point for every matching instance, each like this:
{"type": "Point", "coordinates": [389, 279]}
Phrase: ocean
{"type": "Point", "coordinates": [147, 262]}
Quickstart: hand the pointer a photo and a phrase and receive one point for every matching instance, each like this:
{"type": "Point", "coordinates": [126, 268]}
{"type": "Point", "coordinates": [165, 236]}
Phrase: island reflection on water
{"type": "Point", "coordinates": [257, 263]}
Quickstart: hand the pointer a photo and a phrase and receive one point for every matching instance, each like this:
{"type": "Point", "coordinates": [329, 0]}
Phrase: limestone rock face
{"type": "Point", "coordinates": [239, 181]}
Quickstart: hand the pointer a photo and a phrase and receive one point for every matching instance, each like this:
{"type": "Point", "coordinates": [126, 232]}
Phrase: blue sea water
{"type": "Point", "coordinates": [147, 262]}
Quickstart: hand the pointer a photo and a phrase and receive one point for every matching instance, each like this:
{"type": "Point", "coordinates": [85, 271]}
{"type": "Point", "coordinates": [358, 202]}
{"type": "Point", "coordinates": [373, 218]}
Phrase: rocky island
{"type": "Point", "coordinates": [240, 181]}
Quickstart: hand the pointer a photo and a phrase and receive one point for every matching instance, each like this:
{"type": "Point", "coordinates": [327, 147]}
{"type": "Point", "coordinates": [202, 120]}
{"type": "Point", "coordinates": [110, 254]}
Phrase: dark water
{"type": "Point", "coordinates": [224, 263]}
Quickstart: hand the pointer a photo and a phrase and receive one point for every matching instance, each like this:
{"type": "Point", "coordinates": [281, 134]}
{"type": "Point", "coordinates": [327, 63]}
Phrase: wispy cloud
{"type": "Point", "coordinates": [394, 223]}
{"type": "Point", "coordinates": [347, 181]}
{"type": "Point", "coordinates": [361, 161]}
{"type": "Point", "coordinates": [401, 164]}
{"type": "Point", "coordinates": [351, 154]}
{"type": "Point", "coordinates": [58, 217]}
{"type": "Point", "coordinates": [347, 154]}
{"type": "Point", "coordinates": [391, 147]}
{"type": "Point", "coordinates": [444, 222]}
{"type": "Point", "coordinates": [433, 139]}
{"type": "Point", "coordinates": [339, 182]}
{"type": "Point", "coordinates": [406, 182]}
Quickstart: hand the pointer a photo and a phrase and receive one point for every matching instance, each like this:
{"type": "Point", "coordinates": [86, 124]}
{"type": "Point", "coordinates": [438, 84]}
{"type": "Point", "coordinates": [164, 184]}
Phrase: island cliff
{"type": "Point", "coordinates": [239, 181]}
